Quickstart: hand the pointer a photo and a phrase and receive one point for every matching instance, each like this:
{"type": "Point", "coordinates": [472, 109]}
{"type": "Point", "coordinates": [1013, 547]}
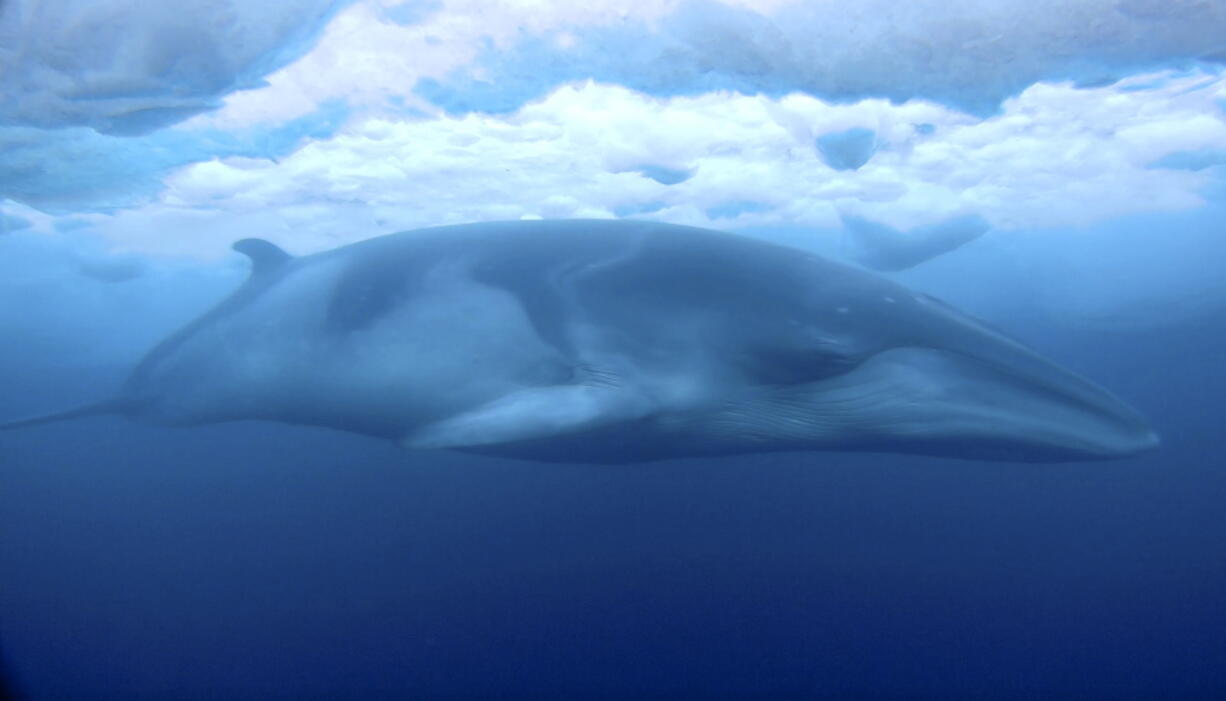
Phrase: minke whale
{"type": "Point", "coordinates": [613, 342]}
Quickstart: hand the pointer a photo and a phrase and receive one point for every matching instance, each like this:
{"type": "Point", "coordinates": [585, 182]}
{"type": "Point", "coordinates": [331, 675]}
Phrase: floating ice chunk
{"type": "Point", "coordinates": [411, 12]}
{"type": "Point", "coordinates": [111, 268]}
{"type": "Point", "coordinates": [734, 209]}
{"type": "Point", "coordinates": [881, 247]}
{"type": "Point", "coordinates": [636, 208]}
{"type": "Point", "coordinates": [128, 67]}
{"type": "Point", "coordinates": [965, 54]}
{"type": "Point", "coordinates": [665, 175]}
{"type": "Point", "coordinates": [849, 149]}
{"type": "Point", "coordinates": [1191, 160]}
{"type": "Point", "coordinates": [10, 223]}
{"type": "Point", "coordinates": [75, 169]}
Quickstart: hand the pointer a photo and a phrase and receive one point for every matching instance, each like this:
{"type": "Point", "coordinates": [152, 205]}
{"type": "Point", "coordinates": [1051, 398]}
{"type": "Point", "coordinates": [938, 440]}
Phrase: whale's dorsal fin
{"type": "Point", "coordinates": [265, 256]}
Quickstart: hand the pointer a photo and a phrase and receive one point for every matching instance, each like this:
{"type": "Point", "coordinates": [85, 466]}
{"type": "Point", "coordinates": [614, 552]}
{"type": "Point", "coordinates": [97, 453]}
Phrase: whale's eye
{"type": "Point", "coordinates": [781, 365]}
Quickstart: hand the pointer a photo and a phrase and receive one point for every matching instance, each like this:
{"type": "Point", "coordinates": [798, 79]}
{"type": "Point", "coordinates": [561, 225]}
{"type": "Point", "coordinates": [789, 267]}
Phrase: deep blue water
{"type": "Point", "coordinates": [264, 561]}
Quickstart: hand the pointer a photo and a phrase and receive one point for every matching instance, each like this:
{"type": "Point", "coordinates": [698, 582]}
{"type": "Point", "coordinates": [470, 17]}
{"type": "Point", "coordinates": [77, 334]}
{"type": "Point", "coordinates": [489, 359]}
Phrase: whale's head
{"type": "Point", "coordinates": [900, 371]}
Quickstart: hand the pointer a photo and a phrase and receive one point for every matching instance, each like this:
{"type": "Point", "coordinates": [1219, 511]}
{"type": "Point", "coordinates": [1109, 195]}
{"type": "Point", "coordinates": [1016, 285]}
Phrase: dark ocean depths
{"type": "Point", "coordinates": [254, 561]}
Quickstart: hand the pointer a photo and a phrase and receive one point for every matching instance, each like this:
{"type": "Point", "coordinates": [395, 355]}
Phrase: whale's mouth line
{"type": "Point", "coordinates": [1060, 384]}
{"type": "Point", "coordinates": [935, 401]}
{"type": "Point", "coordinates": [915, 395]}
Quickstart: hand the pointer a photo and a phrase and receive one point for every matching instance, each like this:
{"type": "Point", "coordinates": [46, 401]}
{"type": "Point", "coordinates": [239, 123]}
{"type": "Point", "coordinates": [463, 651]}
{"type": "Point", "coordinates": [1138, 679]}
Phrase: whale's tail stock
{"type": "Point", "coordinates": [118, 405]}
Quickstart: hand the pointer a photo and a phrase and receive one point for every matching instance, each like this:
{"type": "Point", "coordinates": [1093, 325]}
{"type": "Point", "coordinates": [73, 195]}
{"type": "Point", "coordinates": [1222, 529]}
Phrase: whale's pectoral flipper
{"type": "Point", "coordinates": [108, 406]}
{"type": "Point", "coordinates": [599, 399]}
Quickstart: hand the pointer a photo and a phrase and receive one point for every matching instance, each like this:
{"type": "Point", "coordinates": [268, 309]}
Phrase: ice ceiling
{"type": "Point", "coordinates": [172, 129]}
